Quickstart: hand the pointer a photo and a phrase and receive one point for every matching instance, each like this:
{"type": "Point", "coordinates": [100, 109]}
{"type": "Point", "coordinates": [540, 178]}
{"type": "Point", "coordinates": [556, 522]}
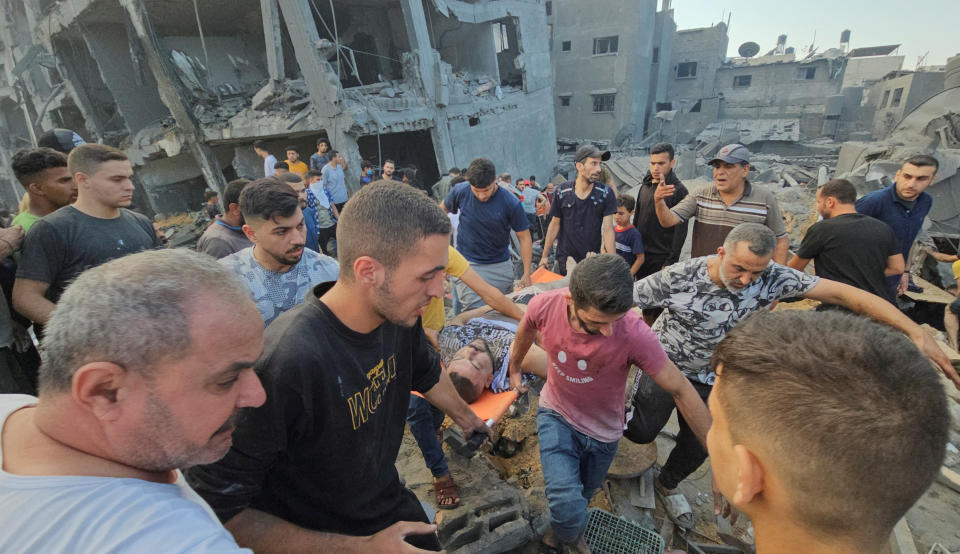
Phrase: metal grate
{"type": "Point", "coordinates": [609, 534]}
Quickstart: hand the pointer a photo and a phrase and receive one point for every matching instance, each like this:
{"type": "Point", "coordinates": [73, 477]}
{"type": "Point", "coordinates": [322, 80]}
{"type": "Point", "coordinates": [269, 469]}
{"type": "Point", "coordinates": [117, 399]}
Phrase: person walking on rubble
{"type": "Point", "coordinates": [721, 206]}
{"type": "Point", "coordinates": [703, 299]}
{"type": "Point", "coordinates": [592, 338]}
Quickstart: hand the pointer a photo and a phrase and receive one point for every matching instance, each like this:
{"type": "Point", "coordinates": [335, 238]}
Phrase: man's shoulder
{"type": "Point", "coordinates": [318, 263]}
{"type": "Point", "coordinates": [238, 259]}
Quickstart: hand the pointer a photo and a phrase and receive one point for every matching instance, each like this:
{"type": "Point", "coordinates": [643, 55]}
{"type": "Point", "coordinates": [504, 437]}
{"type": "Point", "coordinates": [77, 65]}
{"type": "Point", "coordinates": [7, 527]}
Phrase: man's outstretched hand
{"type": "Point", "coordinates": [390, 540]}
{"type": "Point", "coordinates": [932, 350]}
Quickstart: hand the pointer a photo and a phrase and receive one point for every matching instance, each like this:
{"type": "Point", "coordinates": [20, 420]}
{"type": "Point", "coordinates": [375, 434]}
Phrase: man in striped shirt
{"type": "Point", "coordinates": [728, 202]}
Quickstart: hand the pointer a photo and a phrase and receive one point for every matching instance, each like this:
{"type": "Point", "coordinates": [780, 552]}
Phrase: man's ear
{"type": "Point", "coordinates": [36, 188]}
{"type": "Point", "coordinates": [249, 233]}
{"type": "Point", "coordinates": [720, 251]}
{"type": "Point", "coordinates": [99, 388]}
{"type": "Point", "coordinates": [368, 271]}
{"type": "Point", "coordinates": [751, 476]}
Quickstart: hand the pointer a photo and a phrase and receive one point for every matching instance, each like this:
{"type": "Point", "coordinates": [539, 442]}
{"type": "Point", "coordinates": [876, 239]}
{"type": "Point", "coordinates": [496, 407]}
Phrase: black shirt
{"type": "Point", "coordinates": [852, 249]}
{"type": "Point", "coordinates": [320, 452]}
{"type": "Point", "coordinates": [581, 219]}
{"type": "Point", "coordinates": [661, 243]}
{"type": "Point", "coordinates": [63, 244]}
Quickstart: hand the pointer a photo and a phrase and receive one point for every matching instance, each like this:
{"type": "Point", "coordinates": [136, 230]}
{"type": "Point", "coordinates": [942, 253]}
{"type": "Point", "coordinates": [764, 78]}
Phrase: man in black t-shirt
{"type": "Point", "coordinates": [849, 247]}
{"type": "Point", "coordinates": [312, 470]}
{"type": "Point", "coordinates": [95, 229]}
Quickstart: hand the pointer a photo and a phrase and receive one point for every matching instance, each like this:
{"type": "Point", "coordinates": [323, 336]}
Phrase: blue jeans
{"type": "Point", "coordinates": [574, 466]}
{"type": "Point", "coordinates": [424, 419]}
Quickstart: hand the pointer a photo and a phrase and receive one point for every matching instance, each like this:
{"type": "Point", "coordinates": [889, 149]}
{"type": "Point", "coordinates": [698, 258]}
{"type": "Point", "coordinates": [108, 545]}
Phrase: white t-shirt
{"type": "Point", "coordinates": [102, 514]}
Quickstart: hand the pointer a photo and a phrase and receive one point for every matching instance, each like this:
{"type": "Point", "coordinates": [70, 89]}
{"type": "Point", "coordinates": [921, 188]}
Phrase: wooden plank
{"type": "Point", "coordinates": [931, 293]}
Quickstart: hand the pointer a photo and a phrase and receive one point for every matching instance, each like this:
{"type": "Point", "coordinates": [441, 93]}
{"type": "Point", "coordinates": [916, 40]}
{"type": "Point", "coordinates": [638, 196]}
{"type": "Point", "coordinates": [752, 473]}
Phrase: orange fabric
{"type": "Point", "coordinates": [490, 405]}
{"type": "Point", "coordinates": [543, 275]}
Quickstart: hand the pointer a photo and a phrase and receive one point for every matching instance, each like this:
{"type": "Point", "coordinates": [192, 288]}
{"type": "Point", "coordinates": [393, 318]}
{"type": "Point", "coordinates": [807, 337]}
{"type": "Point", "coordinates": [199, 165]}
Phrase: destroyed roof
{"type": "Point", "coordinates": [873, 51]}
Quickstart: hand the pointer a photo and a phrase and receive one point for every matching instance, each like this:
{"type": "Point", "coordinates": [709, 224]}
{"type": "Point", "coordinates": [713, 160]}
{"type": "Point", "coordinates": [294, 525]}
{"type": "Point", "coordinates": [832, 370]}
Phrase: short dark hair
{"type": "Point", "coordinates": [663, 148]}
{"type": "Point", "coordinates": [208, 194]}
{"type": "Point", "coordinates": [30, 162]}
{"type": "Point", "coordinates": [369, 225]}
{"type": "Point", "coordinates": [389, 161]}
{"type": "Point", "coordinates": [323, 140]}
{"type": "Point", "coordinates": [365, 164]}
{"type": "Point", "coordinates": [260, 144]}
{"type": "Point", "coordinates": [506, 177]}
{"type": "Point", "coordinates": [840, 189]}
{"type": "Point", "coordinates": [289, 148]}
{"type": "Point", "coordinates": [481, 173]}
{"type": "Point", "coordinates": [454, 171]}
{"type": "Point", "coordinates": [231, 194]}
{"type": "Point", "coordinates": [87, 158]}
{"type": "Point", "coordinates": [603, 282]}
{"type": "Point", "coordinates": [626, 202]}
{"type": "Point", "coordinates": [838, 394]}
{"type": "Point", "coordinates": [923, 160]}
{"type": "Point", "coordinates": [282, 165]}
{"type": "Point", "coordinates": [457, 180]}
{"type": "Point", "coordinates": [409, 173]}
{"type": "Point", "coordinates": [533, 177]}
{"type": "Point", "coordinates": [332, 153]}
{"type": "Point", "coordinates": [289, 177]}
{"type": "Point", "coordinates": [268, 198]}
{"type": "Point", "coordinates": [314, 173]}
{"type": "Point", "coordinates": [465, 388]}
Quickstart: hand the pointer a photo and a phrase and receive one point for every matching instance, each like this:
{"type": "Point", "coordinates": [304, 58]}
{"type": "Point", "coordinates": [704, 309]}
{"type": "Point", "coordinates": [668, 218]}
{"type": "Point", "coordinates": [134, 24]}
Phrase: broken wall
{"type": "Point", "coordinates": [892, 106]}
{"type": "Point", "coordinates": [467, 47]}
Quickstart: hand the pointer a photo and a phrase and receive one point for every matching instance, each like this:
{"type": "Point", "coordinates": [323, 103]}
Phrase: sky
{"type": "Point", "coordinates": [920, 27]}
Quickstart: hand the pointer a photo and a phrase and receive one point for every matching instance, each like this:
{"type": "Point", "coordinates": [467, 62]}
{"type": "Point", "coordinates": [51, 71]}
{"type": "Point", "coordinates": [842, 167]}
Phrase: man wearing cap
{"type": "Point", "coordinates": [582, 213]}
{"type": "Point", "coordinates": [728, 202]}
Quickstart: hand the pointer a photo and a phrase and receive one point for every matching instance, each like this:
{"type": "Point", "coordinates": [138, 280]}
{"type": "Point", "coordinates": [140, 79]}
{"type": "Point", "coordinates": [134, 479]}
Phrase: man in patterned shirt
{"type": "Point", "coordinates": [277, 269]}
{"type": "Point", "coordinates": [703, 298]}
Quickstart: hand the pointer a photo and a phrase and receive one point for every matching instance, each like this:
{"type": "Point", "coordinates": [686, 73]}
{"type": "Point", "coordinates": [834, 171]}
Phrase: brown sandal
{"type": "Point", "coordinates": [446, 492]}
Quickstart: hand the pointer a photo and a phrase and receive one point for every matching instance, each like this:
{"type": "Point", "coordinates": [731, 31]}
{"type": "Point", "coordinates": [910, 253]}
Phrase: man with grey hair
{"type": "Point", "coordinates": [138, 379]}
{"type": "Point", "coordinates": [703, 298]}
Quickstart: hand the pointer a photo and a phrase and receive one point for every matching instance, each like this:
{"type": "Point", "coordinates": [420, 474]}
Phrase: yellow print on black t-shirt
{"type": "Point", "coordinates": [364, 403]}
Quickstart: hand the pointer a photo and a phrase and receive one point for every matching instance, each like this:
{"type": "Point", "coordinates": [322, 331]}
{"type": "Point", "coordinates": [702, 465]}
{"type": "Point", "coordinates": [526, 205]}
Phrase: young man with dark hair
{"type": "Point", "coordinates": [294, 163]}
{"type": "Point", "coordinates": [212, 205]}
{"type": "Point", "coordinates": [312, 241]}
{"type": "Point", "coordinates": [721, 206]}
{"type": "Point", "coordinates": [581, 213]}
{"type": "Point", "coordinates": [487, 214]}
{"type": "Point", "coordinates": [442, 187]}
{"type": "Point", "coordinates": [97, 228]}
{"type": "Point", "coordinates": [389, 166]}
{"type": "Point", "coordinates": [338, 371]}
{"type": "Point", "coordinates": [592, 338]}
{"type": "Point", "coordinates": [225, 235]}
{"type": "Point", "coordinates": [44, 175]}
{"type": "Point", "coordinates": [280, 168]}
{"type": "Point", "coordinates": [321, 212]}
{"type": "Point", "coordinates": [320, 158]}
{"type": "Point", "coordinates": [662, 244]}
{"type": "Point", "coordinates": [703, 299]}
{"type": "Point", "coordinates": [277, 269]}
{"type": "Point", "coordinates": [366, 172]}
{"type": "Point", "coordinates": [334, 179]}
{"type": "Point", "coordinates": [629, 242]}
{"type": "Point", "coordinates": [903, 206]}
{"type": "Point", "coordinates": [802, 404]}
{"type": "Point", "coordinates": [849, 247]}
{"type": "Point", "coordinates": [269, 160]}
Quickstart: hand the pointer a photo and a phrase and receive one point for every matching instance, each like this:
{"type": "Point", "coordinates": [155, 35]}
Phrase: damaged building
{"type": "Point", "coordinates": [185, 87]}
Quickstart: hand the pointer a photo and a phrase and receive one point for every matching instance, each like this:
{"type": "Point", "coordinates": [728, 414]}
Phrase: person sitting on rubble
{"type": "Point", "coordinates": [703, 298]}
{"type": "Point", "coordinates": [804, 405]}
{"type": "Point", "coordinates": [277, 269]}
{"type": "Point", "coordinates": [139, 379]}
{"type": "Point", "coordinates": [592, 337]}
{"type": "Point", "coordinates": [224, 236]}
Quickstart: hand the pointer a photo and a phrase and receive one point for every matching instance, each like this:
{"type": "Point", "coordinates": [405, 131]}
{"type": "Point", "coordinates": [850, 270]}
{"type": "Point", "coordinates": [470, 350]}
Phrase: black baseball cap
{"type": "Point", "coordinates": [61, 140]}
{"type": "Point", "coordinates": [590, 151]}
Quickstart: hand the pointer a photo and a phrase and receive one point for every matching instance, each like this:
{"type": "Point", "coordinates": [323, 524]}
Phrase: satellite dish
{"type": "Point", "coordinates": [749, 49]}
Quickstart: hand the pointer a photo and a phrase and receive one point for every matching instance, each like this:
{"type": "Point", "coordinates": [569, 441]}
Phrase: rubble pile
{"type": "Point", "coordinates": [182, 230]}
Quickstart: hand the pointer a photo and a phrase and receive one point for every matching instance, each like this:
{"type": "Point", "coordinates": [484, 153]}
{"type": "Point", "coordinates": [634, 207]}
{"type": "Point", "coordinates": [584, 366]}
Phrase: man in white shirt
{"type": "Point", "coordinates": [269, 160]}
{"type": "Point", "coordinates": [147, 364]}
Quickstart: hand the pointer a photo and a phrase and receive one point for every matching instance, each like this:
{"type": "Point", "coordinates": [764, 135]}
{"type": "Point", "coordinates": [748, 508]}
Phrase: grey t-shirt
{"type": "Point", "coordinates": [698, 313]}
{"type": "Point", "coordinates": [219, 240]}
{"type": "Point", "coordinates": [275, 293]}
{"type": "Point", "coordinates": [60, 246]}
{"type": "Point", "coordinates": [333, 181]}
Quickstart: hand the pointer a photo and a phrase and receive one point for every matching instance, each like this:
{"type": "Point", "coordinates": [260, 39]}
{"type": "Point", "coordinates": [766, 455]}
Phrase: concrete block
{"type": "Point", "coordinates": [496, 523]}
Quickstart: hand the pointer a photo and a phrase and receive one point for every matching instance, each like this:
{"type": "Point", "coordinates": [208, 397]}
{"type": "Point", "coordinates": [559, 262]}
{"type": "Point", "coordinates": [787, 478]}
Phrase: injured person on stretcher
{"type": "Point", "coordinates": [475, 351]}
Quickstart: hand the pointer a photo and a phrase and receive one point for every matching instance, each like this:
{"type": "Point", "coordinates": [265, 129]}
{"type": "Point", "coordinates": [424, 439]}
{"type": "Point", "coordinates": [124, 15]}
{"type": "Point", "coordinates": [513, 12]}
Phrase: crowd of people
{"type": "Point", "coordinates": [253, 394]}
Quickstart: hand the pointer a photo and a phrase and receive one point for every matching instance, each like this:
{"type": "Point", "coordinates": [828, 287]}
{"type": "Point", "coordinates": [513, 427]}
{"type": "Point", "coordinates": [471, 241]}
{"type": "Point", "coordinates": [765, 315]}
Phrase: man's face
{"type": "Point", "coordinates": [589, 169]}
{"type": "Point", "coordinates": [283, 238]}
{"type": "Point", "coordinates": [822, 208]}
{"type": "Point", "coordinates": [110, 184]}
{"type": "Point", "coordinates": [292, 156]}
{"type": "Point", "coordinates": [729, 177]}
{"type": "Point", "coordinates": [623, 216]}
{"type": "Point", "coordinates": [660, 165]}
{"type": "Point", "coordinates": [473, 362]}
{"type": "Point", "coordinates": [741, 267]}
{"type": "Point", "coordinates": [591, 320]}
{"type": "Point", "coordinates": [912, 180]}
{"type": "Point", "coordinates": [322, 147]}
{"type": "Point", "coordinates": [58, 186]}
{"type": "Point", "coordinates": [409, 287]}
{"type": "Point", "coordinates": [485, 193]}
{"type": "Point", "coordinates": [301, 189]}
{"type": "Point", "coordinates": [315, 179]}
{"type": "Point", "coordinates": [189, 408]}
{"type": "Point", "coordinates": [388, 169]}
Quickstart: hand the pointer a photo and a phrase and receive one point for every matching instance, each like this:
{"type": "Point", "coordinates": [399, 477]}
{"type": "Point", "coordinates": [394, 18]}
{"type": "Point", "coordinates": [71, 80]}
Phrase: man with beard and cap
{"type": "Point", "coordinates": [139, 378]}
{"type": "Point", "coordinates": [581, 213]}
{"type": "Point", "coordinates": [704, 298]}
{"type": "Point", "coordinates": [225, 235]}
{"type": "Point", "coordinates": [277, 269]}
{"type": "Point", "coordinates": [313, 470]}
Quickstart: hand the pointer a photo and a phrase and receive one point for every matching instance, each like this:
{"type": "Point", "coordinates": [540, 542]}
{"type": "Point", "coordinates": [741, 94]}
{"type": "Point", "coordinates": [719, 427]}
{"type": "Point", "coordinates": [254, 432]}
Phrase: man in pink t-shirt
{"type": "Point", "coordinates": [592, 338]}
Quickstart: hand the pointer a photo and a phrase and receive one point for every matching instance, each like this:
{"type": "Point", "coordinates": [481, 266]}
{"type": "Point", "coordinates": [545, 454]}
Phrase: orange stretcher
{"type": "Point", "coordinates": [490, 405]}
